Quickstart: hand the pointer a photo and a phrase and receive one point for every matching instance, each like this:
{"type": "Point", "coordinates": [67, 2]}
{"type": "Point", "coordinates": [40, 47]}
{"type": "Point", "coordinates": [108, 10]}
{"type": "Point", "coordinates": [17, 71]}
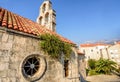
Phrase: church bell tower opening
{"type": "Point", "coordinates": [47, 16]}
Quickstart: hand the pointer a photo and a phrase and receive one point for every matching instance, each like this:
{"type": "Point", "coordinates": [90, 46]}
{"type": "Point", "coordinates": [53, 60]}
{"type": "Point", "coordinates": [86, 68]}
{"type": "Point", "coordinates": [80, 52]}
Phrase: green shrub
{"type": "Point", "coordinates": [101, 66]}
{"type": "Point", "coordinates": [52, 45]}
{"type": "Point", "coordinates": [104, 66]}
{"type": "Point", "coordinates": [92, 72]}
{"type": "Point", "coordinates": [91, 63]}
{"type": "Point", "coordinates": [118, 70]}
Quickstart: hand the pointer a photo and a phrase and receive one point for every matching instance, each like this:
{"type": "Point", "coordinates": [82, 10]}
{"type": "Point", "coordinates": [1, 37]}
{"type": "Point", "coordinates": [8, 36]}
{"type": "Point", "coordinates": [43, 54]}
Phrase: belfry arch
{"type": "Point", "coordinates": [44, 8]}
{"type": "Point", "coordinates": [46, 17]}
{"type": "Point", "coordinates": [41, 20]}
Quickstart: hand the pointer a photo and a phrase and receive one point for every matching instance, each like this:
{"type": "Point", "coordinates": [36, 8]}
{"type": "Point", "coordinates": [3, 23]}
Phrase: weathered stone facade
{"type": "Point", "coordinates": [82, 65]}
{"type": "Point", "coordinates": [16, 46]}
{"type": "Point", "coordinates": [114, 53]}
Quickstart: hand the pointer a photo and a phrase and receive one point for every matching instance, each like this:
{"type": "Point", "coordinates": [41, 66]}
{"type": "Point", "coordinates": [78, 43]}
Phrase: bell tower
{"type": "Point", "coordinates": [47, 16]}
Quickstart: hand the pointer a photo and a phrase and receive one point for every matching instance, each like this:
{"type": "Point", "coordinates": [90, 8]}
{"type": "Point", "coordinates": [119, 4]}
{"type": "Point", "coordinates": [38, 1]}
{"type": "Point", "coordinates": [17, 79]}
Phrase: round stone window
{"type": "Point", "coordinates": [33, 67]}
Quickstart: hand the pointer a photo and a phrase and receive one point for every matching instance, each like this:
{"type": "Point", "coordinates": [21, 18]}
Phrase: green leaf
{"type": "Point", "coordinates": [54, 46]}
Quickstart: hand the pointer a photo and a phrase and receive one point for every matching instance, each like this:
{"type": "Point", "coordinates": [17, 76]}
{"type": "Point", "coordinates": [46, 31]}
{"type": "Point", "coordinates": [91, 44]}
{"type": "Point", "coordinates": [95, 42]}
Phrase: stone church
{"type": "Point", "coordinates": [22, 60]}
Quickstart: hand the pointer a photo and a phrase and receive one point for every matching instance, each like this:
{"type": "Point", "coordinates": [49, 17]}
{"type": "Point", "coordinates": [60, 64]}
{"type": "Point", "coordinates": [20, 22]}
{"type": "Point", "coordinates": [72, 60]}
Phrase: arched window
{"type": "Point", "coordinates": [66, 67]}
{"type": "Point", "coordinates": [44, 8]}
{"type": "Point", "coordinates": [40, 20]}
{"type": "Point", "coordinates": [46, 17]}
{"type": "Point", "coordinates": [53, 26]}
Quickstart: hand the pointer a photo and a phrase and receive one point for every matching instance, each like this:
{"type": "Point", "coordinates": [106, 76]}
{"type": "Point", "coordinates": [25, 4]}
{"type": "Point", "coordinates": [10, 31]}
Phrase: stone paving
{"type": "Point", "coordinates": [103, 78]}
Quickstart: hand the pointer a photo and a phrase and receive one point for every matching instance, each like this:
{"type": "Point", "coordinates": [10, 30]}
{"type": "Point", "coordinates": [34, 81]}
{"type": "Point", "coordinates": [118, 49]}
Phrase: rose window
{"type": "Point", "coordinates": [33, 67]}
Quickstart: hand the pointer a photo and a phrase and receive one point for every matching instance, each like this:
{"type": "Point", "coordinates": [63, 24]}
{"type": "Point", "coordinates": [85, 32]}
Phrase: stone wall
{"type": "Point", "coordinates": [82, 66]}
{"type": "Point", "coordinates": [14, 48]}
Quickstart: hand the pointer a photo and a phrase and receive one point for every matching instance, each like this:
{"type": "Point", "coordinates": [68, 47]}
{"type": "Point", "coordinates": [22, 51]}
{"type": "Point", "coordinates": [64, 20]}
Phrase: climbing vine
{"type": "Point", "coordinates": [52, 45]}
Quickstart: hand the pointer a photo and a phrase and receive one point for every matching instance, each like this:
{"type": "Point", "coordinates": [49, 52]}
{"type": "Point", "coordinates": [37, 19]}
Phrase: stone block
{"type": "Point", "coordinates": [13, 79]}
{"type": "Point", "coordinates": [4, 52]}
{"type": "Point", "coordinates": [3, 73]}
{"type": "Point", "coordinates": [0, 52]}
{"type": "Point", "coordinates": [4, 66]}
{"type": "Point", "coordinates": [14, 65]}
{"type": "Point", "coordinates": [30, 48]}
{"type": "Point", "coordinates": [11, 73]}
{"type": "Point", "coordinates": [19, 40]}
{"type": "Point", "coordinates": [11, 38]}
{"type": "Point", "coordinates": [13, 56]}
{"type": "Point", "coordinates": [29, 41]}
{"type": "Point", "coordinates": [4, 37]}
{"type": "Point", "coordinates": [4, 58]}
{"type": "Point", "coordinates": [6, 46]}
{"type": "Point", "coordinates": [6, 79]}
{"type": "Point", "coordinates": [1, 36]}
{"type": "Point", "coordinates": [16, 47]}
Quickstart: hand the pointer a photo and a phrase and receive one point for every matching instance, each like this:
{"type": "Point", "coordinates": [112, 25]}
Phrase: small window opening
{"type": "Point", "coordinates": [66, 67]}
{"type": "Point", "coordinates": [44, 8]}
{"type": "Point", "coordinates": [46, 17]}
{"type": "Point", "coordinates": [40, 20]}
{"type": "Point", "coordinates": [53, 26]}
{"type": "Point", "coordinates": [84, 51]}
{"type": "Point", "coordinates": [92, 50]}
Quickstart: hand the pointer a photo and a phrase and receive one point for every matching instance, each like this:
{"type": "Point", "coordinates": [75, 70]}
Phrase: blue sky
{"type": "Point", "coordinates": [77, 20]}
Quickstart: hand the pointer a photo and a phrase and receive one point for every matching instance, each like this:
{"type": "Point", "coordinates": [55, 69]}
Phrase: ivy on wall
{"type": "Point", "coordinates": [52, 45]}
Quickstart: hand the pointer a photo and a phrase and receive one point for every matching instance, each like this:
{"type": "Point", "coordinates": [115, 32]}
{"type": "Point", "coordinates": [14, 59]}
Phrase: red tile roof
{"type": "Point", "coordinates": [93, 44]}
{"type": "Point", "coordinates": [15, 22]}
{"type": "Point", "coordinates": [80, 53]}
{"type": "Point", "coordinates": [118, 42]}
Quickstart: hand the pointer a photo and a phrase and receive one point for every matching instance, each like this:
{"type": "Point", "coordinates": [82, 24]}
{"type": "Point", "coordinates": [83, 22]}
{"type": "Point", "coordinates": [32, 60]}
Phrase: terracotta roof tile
{"type": "Point", "coordinates": [118, 42]}
{"type": "Point", "coordinates": [93, 44]}
{"type": "Point", "coordinates": [15, 22]}
{"type": "Point", "coordinates": [80, 53]}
